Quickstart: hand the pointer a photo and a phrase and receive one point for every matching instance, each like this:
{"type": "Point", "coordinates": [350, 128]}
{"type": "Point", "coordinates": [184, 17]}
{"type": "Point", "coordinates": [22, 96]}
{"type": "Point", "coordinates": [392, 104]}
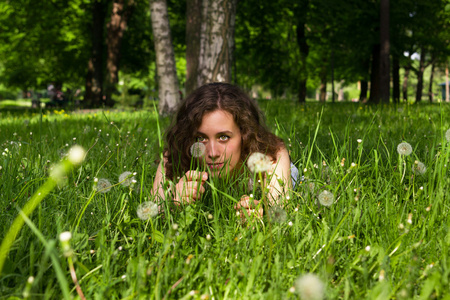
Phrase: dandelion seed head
{"type": "Point", "coordinates": [208, 237]}
{"type": "Point", "coordinates": [367, 248]}
{"type": "Point", "coordinates": [76, 155]}
{"type": "Point", "coordinates": [198, 149]}
{"type": "Point", "coordinates": [126, 178]}
{"type": "Point", "coordinates": [404, 148]}
{"type": "Point", "coordinates": [65, 236]}
{"type": "Point", "coordinates": [103, 185]}
{"type": "Point", "coordinates": [290, 223]}
{"type": "Point", "coordinates": [381, 277]}
{"type": "Point", "coordinates": [147, 210]}
{"type": "Point", "coordinates": [310, 287]}
{"type": "Point", "coordinates": [419, 168]}
{"type": "Point", "coordinates": [175, 226]}
{"type": "Point", "coordinates": [326, 198]}
{"type": "Point", "coordinates": [277, 214]}
{"type": "Point", "coordinates": [259, 163]}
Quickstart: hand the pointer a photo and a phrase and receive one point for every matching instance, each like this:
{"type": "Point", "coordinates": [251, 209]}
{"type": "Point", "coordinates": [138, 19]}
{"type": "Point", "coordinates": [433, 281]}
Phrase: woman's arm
{"type": "Point", "coordinates": [280, 177]}
{"type": "Point", "coordinates": [279, 185]}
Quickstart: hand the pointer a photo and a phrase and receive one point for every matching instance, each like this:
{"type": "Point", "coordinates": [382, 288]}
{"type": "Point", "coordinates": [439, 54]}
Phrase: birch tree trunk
{"type": "Point", "coordinates": [216, 41]}
{"type": "Point", "coordinates": [168, 86]}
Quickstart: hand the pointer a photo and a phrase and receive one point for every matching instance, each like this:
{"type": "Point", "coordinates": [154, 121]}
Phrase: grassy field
{"type": "Point", "coordinates": [385, 236]}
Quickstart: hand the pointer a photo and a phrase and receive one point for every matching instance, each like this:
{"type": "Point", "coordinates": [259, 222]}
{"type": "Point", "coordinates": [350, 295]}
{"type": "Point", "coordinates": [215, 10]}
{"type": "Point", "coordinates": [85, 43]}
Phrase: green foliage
{"type": "Point", "coordinates": [386, 235]}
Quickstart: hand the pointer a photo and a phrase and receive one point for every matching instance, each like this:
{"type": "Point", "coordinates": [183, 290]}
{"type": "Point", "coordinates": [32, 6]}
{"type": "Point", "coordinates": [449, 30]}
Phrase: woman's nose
{"type": "Point", "coordinates": [213, 150]}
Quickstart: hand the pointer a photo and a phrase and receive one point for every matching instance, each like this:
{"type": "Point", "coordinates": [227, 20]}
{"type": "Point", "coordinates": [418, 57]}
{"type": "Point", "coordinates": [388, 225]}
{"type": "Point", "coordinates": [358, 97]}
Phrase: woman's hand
{"type": "Point", "coordinates": [250, 205]}
{"type": "Point", "coordinates": [190, 187]}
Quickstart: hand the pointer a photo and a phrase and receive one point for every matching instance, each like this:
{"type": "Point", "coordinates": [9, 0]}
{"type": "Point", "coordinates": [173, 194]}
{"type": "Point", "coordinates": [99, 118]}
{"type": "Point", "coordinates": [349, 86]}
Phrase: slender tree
{"type": "Point", "coordinates": [168, 86]}
{"type": "Point", "coordinates": [193, 27]}
{"type": "Point", "coordinates": [93, 95]}
{"type": "Point", "coordinates": [120, 13]}
{"type": "Point", "coordinates": [384, 52]}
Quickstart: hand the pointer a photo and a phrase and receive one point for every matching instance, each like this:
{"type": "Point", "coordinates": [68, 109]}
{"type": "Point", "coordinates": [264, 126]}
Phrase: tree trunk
{"type": "Point", "coordinates": [193, 27]}
{"type": "Point", "coordinates": [396, 79]}
{"type": "Point", "coordinates": [363, 92]}
{"type": "Point", "coordinates": [302, 43]}
{"type": "Point", "coordinates": [419, 74]}
{"type": "Point", "coordinates": [384, 52]}
{"type": "Point", "coordinates": [120, 14]}
{"type": "Point", "coordinates": [375, 75]}
{"type": "Point", "coordinates": [216, 41]}
{"type": "Point", "coordinates": [93, 95]}
{"type": "Point", "coordinates": [323, 86]}
{"type": "Point", "coordinates": [168, 86]}
{"type": "Point", "coordinates": [430, 88]}
{"type": "Point", "coordinates": [405, 83]}
{"type": "Point", "coordinates": [447, 88]}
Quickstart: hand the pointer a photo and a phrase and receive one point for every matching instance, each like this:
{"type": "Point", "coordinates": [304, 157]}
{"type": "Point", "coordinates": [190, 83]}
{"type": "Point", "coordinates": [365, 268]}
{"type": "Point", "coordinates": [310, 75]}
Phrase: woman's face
{"type": "Point", "coordinates": [222, 139]}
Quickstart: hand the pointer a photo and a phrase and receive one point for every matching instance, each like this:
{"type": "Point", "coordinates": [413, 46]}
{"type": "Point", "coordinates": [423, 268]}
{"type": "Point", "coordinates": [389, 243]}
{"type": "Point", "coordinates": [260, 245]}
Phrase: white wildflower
{"type": "Point", "coordinates": [419, 168]}
{"type": "Point", "coordinates": [258, 162]}
{"type": "Point", "coordinates": [326, 198]}
{"type": "Point", "coordinates": [404, 148]}
{"type": "Point", "coordinates": [126, 178]}
{"type": "Point", "coordinates": [198, 149]}
{"type": "Point", "coordinates": [147, 210]}
{"type": "Point", "coordinates": [103, 185]}
{"type": "Point", "coordinates": [310, 287]}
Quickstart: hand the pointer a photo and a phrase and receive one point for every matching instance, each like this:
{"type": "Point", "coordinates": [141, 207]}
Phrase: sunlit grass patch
{"type": "Point", "coordinates": [362, 221]}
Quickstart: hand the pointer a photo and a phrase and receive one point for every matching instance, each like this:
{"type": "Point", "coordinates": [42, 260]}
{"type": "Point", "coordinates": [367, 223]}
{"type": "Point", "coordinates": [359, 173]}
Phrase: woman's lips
{"type": "Point", "coordinates": [215, 166]}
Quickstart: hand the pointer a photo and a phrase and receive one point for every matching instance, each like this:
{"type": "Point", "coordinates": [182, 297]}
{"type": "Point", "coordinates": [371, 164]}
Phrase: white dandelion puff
{"type": "Point", "coordinates": [147, 210]}
{"type": "Point", "coordinates": [103, 185]}
{"type": "Point", "coordinates": [447, 135]}
{"type": "Point", "coordinates": [76, 155]}
{"type": "Point", "coordinates": [198, 149]}
{"type": "Point", "coordinates": [326, 198]}
{"type": "Point", "coordinates": [419, 168]}
{"type": "Point", "coordinates": [259, 163]}
{"type": "Point", "coordinates": [310, 287]}
{"type": "Point", "coordinates": [65, 236]}
{"type": "Point", "coordinates": [277, 214]}
{"type": "Point", "coordinates": [404, 148]}
{"type": "Point", "coordinates": [126, 178]}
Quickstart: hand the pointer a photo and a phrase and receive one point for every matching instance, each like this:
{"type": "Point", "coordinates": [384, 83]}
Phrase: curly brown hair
{"type": "Point", "coordinates": [208, 98]}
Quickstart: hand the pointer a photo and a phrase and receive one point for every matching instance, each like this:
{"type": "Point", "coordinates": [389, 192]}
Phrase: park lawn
{"type": "Point", "coordinates": [386, 234]}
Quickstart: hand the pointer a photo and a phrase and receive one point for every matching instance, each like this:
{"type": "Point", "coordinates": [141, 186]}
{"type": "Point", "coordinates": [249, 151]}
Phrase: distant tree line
{"type": "Point", "coordinates": [284, 46]}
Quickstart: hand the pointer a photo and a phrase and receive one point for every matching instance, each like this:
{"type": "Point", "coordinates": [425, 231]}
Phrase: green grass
{"type": "Point", "coordinates": [386, 235]}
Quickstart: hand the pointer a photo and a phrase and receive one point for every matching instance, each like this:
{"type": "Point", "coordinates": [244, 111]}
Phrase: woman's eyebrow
{"type": "Point", "coordinates": [218, 133]}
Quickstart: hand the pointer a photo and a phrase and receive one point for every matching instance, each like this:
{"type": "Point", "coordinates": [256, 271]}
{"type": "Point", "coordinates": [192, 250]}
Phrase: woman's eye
{"type": "Point", "coordinates": [224, 138]}
{"type": "Point", "coordinates": [200, 139]}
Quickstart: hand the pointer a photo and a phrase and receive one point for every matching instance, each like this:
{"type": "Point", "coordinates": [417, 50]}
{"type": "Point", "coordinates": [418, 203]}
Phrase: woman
{"type": "Point", "coordinates": [228, 126]}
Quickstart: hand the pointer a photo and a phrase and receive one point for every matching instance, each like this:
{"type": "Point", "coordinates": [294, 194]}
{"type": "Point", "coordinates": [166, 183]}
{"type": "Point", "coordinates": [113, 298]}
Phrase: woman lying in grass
{"type": "Point", "coordinates": [216, 130]}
